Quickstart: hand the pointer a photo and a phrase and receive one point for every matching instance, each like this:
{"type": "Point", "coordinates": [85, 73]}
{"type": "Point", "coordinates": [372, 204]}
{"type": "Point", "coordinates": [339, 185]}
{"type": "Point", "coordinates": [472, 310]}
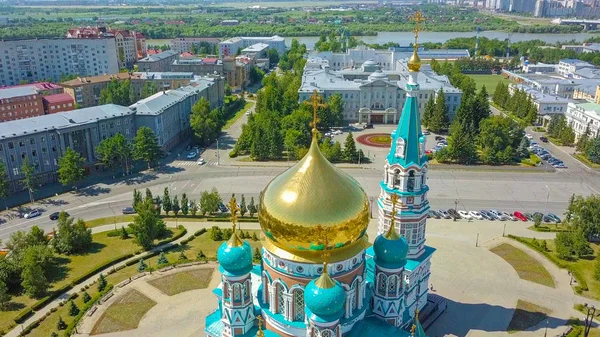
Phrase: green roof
{"type": "Point", "coordinates": [590, 106]}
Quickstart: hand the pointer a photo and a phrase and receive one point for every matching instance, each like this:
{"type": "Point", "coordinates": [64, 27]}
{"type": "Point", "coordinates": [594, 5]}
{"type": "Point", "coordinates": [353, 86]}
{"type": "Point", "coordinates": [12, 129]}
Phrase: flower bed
{"type": "Point", "coordinates": [375, 139]}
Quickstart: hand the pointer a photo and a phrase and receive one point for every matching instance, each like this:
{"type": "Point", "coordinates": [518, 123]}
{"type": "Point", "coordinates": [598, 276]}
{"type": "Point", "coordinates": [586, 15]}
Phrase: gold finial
{"type": "Point", "coordinates": [391, 233]}
{"type": "Point", "coordinates": [260, 332]}
{"type": "Point", "coordinates": [315, 102]}
{"type": "Point", "coordinates": [412, 330]}
{"type": "Point", "coordinates": [235, 240]}
{"type": "Point", "coordinates": [324, 281]}
{"type": "Point", "coordinates": [414, 63]}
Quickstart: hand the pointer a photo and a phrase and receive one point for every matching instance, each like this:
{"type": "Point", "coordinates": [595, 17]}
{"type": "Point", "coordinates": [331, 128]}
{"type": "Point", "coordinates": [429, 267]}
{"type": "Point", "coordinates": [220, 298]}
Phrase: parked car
{"type": "Point", "coordinates": [465, 215]}
{"type": "Point", "coordinates": [560, 165]}
{"type": "Point", "coordinates": [528, 136]}
{"type": "Point", "coordinates": [426, 133]}
{"type": "Point", "coordinates": [128, 210]}
{"type": "Point", "coordinates": [453, 213]}
{"type": "Point", "coordinates": [369, 126]}
{"type": "Point", "coordinates": [510, 216]}
{"type": "Point", "coordinates": [487, 215]}
{"type": "Point", "coordinates": [223, 208]}
{"type": "Point", "coordinates": [498, 215]}
{"type": "Point", "coordinates": [191, 155]}
{"type": "Point", "coordinates": [528, 216]}
{"type": "Point", "coordinates": [519, 216]}
{"type": "Point", "coordinates": [445, 214]}
{"type": "Point", "coordinates": [434, 214]}
{"type": "Point", "coordinates": [438, 138]}
{"type": "Point", "coordinates": [32, 214]}
{"type": "Point", "coordinates": [554, 217]}
{"type": "Point", "coordinates": [544, 139]}
{"type": "Point", "coordinates": [54, 216]}
{"type": "Point", "coordinates": [476, 215]}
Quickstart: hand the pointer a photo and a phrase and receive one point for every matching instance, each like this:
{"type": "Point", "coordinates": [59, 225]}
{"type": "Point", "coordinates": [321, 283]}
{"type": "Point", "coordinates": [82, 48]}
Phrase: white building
{"type": "Point", "coordinates": [373, 95]}
{"type": "Point", "coordinates": [566, 67]}
{"type": "Point", "coordinates": [231, 46]}
{"type": "Point", "coordinates": [184, 44]}
{"type": "Point", "coordinates": [39, 59]}
{"type": "Point", "coordinates": [580, 115]}
{"type": "Point", "coordinates": [546, 104]}
{"type": "Point", "coordinates": [539, 68]}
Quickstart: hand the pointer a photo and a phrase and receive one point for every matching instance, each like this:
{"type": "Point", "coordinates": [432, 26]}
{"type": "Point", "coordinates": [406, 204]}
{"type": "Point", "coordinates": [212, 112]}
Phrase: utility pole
{"type": "Point", "coordinates": [508, 47]}
{"type": "Point", "coordinates": [589, 318]}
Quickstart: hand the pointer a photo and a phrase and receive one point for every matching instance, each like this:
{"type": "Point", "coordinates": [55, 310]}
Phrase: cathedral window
{"type": "Point", "coordinates": [381, 284]}
{"type": "Point", "coordinates": [410, 186]}
{"type": "Point", "coordinates": [396, 178]}
{"type": "Point", "coordinates": [245, 289]}
{"type": "Point", "coordinates": [392, 280]}
{"type": "Point", "coordinates": [280, 300]}
{"type": "Point", "coordinates": [400, 148]}
{"type": "Point", "coordinates": [299, 305]}
{"type": "Point", "coordinates": [326, 333]}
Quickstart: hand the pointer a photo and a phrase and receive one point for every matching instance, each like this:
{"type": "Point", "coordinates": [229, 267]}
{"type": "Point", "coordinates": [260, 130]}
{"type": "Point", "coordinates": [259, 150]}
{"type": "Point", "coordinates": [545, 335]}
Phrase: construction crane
{"type": "Point", "coordinates": [508, 46]}
{"type": "Point", "coordinates": [477, 30]}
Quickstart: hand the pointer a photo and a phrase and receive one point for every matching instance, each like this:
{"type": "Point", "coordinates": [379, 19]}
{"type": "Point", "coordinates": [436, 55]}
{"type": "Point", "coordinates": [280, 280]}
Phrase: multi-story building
{"type": "Point", "coordinates": [582, 115]}
{"type": "Point", "coordinates": [373, 95]}
{"type": "Point", "coordinates": [35, 60]}
{"type": "Point", "coordinates": [230, 47]}
{"type": "Point", "coordinates": [20, 102]}
{"type": "Point", "coordinates": [43, 140]}
{"type": "Point", "coordinates": [198, 66]}
{"type": "Point", "coordinates": [567, 67]}
{"type": "Point", "coordinates": [236, 72]}
{"type": "Point", "coordinates": [168, 113]}
{"type": "Point", "coordinates": [58, 103]}
{"type": "Point", "coordinates": [86, 90]}
{"type": "Point", "coordinates": [546, 104]}
{"type": "Point", "coordinates": [184, 44]}
{"type": "Point", "coordinates": [131, 45]}
{"type": "Point", "coordinates": [158, 62]}
{"type": "Point", "coordinates": [539, 68]}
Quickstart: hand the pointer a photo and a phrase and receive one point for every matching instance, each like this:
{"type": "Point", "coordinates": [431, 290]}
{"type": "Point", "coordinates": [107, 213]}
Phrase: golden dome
{"type": "Point", "coordinates": [414, 63]}
{"type": "Point", "coordinates": [310, 201]}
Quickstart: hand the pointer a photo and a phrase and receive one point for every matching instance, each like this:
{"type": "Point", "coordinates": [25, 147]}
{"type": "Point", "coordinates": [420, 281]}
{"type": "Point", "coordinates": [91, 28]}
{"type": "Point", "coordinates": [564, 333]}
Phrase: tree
{"type": "Point", "coordinates": [194, 208]}
{"type": "Point", "coordinates": [145, 146]}
{"type": "Point", "coordinates": [556, 124]}
{"type": "Point", "coordinates": [209, 201]}
{"type": "Point", "coordinates": [147, 226]}
{"type": "Point", "coordinates": [86, 297]}
{"type": "Point", "coordinates": [142, 266]}
{"type": "Point", "coordinates": [522, 150]}
{"type": "Point", "coordinates": [101, 283]}
{"type": "Point", "coordinates": [567, 136]}
{"type": "Point", "coordinates": [461, 145]}
{"type": "Point", "coordinates": [182, 257]}
{"type": "Point", "coordinates": [162, 259]}
{"type": "Point", "coordinates": [227, 89]}
{"type": "Point", "coordinates": [243, 208]}
{"type": "Point", "coordinates": [257, 255]}
{"type": "Point", "coordinates": [200, 256]}
{"type": "Point", "coordinates": [115, 152]}
{"type": "Point", "coordinates": [4, 187]}
{"type": "Point", "coordinates": [428, 111]}
{"type": "Point", "coordinates": [117, 92]}
{"type": "Point", "coordinates": [498, 138]}
{"type": "Point", "coordinates": [29, 179]}
{"type": "Point", "coordinates": [537, 220]}
{"type": "Point", "coordinates": [439, 120]}
{"type": "Point", "coordinates": [592, 151]}
{"type": "Point", "coordinates": [70, 168]}
{"type": "Point", "coordinates": [71, 238]}
{"type": "Point", "coordinates": [335, 105]}
{"type": "Point", "coordinates": [583, 140]}
{"type": "Point", "coordinates": [251, 207]}
{"type": "Point", "coordinates": [185, 208]}
{"type": "Point", "coordinates": [124, 233]}
{"type": "Point", "coordinates": [597, 268]}
{"type": "Point", "coordinates": [61, 325]}
{"type": "Point", "coordinates": [254, 237]}
{"type": "Point", "coordinates": [350, 153]}
{"type": "Point", "coordinates": [481, 108]}
{"type": "Point", "coordinates": [137, 198]}
{"type": "Point", "coordinates": [167, 205]}
{"type": "Point", "coordinates": [273, 56]}
{"type": "Point", "coordinates": [206, 123]}
{"type": "Point", "coordinates": [4, 296]}
{"type": "Point", "coordinates": [216, 234]}
{"type": "Point", "coordinates": [256, 74]}
{"type": "Point", "coordinates": [148, 89]}
{"type": "Point", "coordinates": [34, 279]}
{"type": "Point", "coordinates": [73, 309]}
{"type": "Point", "coordinates": [176, 207]}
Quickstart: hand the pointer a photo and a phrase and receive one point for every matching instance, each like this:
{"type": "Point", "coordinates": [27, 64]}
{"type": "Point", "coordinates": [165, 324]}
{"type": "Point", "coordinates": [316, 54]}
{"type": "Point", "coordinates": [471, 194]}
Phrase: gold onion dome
{"type": "Point", "coordinates": [311, 200]}
{"type": "Point", "coordinates": [414, 63]}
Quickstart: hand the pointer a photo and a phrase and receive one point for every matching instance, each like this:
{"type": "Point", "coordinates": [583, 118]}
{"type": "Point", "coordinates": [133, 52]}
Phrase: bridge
{"type": "Point", "coordinates": [588, 24]}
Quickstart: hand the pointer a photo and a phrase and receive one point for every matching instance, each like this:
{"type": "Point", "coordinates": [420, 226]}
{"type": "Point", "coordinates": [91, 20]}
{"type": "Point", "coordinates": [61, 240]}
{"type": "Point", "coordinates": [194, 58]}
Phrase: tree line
{"type": "Point", "coordinates": [519, 104]}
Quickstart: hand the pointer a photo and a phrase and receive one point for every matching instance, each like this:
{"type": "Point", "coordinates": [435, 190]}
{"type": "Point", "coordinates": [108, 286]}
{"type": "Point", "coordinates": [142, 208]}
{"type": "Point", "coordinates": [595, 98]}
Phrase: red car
{"type": "Point", "coordinates": [520, 216]}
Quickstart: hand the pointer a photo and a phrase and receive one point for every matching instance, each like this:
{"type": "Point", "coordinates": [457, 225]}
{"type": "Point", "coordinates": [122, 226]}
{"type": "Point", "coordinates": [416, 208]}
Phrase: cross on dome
{"type": "Point", "coordinates": [315, 102]}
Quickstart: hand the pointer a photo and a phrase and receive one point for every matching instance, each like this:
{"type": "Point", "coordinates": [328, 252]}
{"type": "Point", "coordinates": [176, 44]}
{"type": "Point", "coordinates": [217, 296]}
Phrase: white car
{"type": "Point", "coordinates": [201, 161]}
{"type": "Point", "coordinates": [499, 214]}
{"type": "Point", "coordinates": [530, 137]}
{"type": "Point", "coordinates": [191, 155]}
{"type": "Point", "coordinates": [510, 216]}
{"type": "Point", "coordinates": [32, 214]}
{"type": "Point", "coordinates": [476, 215]}
{"type": "Point", "coordinates": [440, 144]}
{"type": "Point", "coordinates": [465, 215]}
{"type": "Point", "coordinates": [337, 132]}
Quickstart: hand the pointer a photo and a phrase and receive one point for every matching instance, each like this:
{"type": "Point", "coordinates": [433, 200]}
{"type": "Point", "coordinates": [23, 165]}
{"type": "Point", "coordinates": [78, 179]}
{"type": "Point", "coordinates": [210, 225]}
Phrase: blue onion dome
{"type": "Point", "coordinates": [390, 249]}
{"type": "Point", "coordinates": [235, 256]}
{"type": "Point", "coordinates": [324, 298]}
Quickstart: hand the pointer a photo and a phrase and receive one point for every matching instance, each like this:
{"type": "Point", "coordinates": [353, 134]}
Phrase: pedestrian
{"type": "Point", "coordinates": [431, 287]}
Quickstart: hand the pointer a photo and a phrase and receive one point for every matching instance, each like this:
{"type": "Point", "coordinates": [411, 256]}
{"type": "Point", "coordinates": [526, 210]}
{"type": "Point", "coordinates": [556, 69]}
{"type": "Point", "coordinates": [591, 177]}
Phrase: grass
{"type": "Point", "coordinates": [109, 220]}
{"type": "Point", "coordinates": [527, 315]}
{"type": "Point", "coordinates": [124, 314]}
{"type": "Point", "coordinates": [527, 267]}
{"type": "Point", "coordinates": [539, 129]}
{"type": "Point", "coordinates": [586, 161]}
{"type": "Point", "coordinates": [490, 81]}
{"type": "Point", "coordinates": [183, 281]}
{"type": "Point", "coordinates": [168, 218]}
{"type": "Point", "coordinates": [238, 115]}
{"type": "Point", "coordinates": [547, 227]}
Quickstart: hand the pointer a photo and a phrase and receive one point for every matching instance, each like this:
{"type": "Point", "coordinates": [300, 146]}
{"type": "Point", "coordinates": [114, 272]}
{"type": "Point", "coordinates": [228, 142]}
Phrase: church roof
{"type": "Point", "coordinates": [409, 130]}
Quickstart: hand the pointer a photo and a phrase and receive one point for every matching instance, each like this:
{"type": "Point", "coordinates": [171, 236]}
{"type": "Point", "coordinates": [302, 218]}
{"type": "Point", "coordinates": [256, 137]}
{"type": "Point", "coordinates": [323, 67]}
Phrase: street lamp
{"type": "Point", "coordinates": [589, 317]}
{"type": "Point", "coordinates": [455, 206]}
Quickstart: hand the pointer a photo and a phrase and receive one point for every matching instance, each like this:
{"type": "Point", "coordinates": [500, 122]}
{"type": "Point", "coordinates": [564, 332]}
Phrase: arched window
{"type": "Point", "coordinates": [265, 288]}
{"type": "Point", "coordinates": [327, 333]}
{"type": "Point", "coordinates": [280, 301]}
{"type": "Point", "coordinates": [396, 178]}
{"type": "Point", "coordinates": [381, 284]}
{"type": "Point", "coordinates": [392, 281]}
{"type": "Point", "coordinates": [423, 179]}
{"type": "Point", "coordinates": [400, 147]}
{"type": "Point", "coordinates": [226, 290]}
{"type": "Point", "coordinates": [299, 305]}
{"type": "Point", "coordinates": [237, 293]}
{"type": "Point", "coordinates": [410, 186]}
{"type": "Point", "coordinates": [245, 290]}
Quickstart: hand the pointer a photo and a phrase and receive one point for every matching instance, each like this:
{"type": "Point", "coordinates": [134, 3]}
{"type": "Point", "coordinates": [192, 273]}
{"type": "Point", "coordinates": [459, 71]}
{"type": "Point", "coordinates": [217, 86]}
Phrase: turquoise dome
{"type": "Point", "coordinates": [324, 298]}
{"type": "Point", "coordinates": [390, 250]}
{"type": "Point", "coordinates": [235, 257]}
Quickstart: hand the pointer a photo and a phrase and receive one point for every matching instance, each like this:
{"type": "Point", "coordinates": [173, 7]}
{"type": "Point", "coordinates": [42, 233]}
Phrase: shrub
{"type": "Point", "coordinates": [44, 301]}
{"type": "Point", "coordinates": [86, 297]}
{"type": "Point", "coordinates": [61, 325]}
{"type": "Point", "coordinates": [73, 309]}
{"type": "Point", "coordinates": [200, 232]}
{"type": "Point", "coordinates": [23, 315]}
{"type": "Point", "coordinates": [233, 153]}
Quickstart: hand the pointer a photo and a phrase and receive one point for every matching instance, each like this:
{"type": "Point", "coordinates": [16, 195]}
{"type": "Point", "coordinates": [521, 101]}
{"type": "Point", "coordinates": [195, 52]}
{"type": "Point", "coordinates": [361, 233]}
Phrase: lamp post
{"type": "Point", "coordinates": [371, 207]}
{"type": "Point", "coordinates": [455, 206]}
{"type": "Point", "coordinates": [589, 318]}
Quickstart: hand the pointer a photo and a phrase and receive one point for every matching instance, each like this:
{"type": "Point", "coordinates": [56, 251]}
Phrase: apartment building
{"type": "Point", "coordinates": [198, 66]}
{"type": "Point", "coordinates": [86, 90]}
{"type": "Point", "coordinates": [35, 60]}
{"type": "Point", "coordinates": [58, 103]}
{"type": "Point", "coordinates": [567, 67]}
{"type": "Point", "coordinates": [20, 102]}
{"type": "Point", "coordinates": [185, 44]}
{"type": "Point", "coordinates": [159, 62]}
{"type": "Point", "coordinates": [42, 140]}
{"type": "Point", "coordinates": [236, 72]}
{"type": "Point", "coordinates": [231, 46]}
{"type": "Point", "coordinates": [580, 115]}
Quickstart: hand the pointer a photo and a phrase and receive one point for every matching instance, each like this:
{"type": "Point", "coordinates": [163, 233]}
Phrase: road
{"type": "Point", "coordinates": [473, 190]}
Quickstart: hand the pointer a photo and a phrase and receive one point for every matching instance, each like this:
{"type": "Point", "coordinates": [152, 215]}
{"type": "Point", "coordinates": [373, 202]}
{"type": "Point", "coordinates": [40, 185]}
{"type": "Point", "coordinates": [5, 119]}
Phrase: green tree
{"type": "Point", "coordinates": [273, 56]}
{"type": "Point", "coordinates": [4, 187]}
{"type": "Point", "coordinates": [592, 151]}
{"type": "Point", "coordinates": [61, 325]}
{"type": "Point", "coordinates": [251, 207]}
{"type": "Point", "coordinates": [142, 266]}
{"type": "Point", "coordinates": [117, 92]}
{"type": "Point", "coordinates": [176, 207]}
{"type": "Point", "coordinates": [194, 208]}
{"type": "Point", "coordinates": [29, 178]}
{"type": "Point", "coordinates": [481, 108]}
{"type": "Point", "coordinates": [4, 296]}
{"type": "Point", "coordinates": [350, 152]}
{"type": "Point", "coordinates": [115, 152]}
{"type": "Point", "coordinates": [185, 208]}
{"type": "Point", "coordinates": [256, 74]}
{"type": "Point", "coordinates": [243, 208]}
{"type": "Point", "coordinates": [499, 137]}
{"type": "Point", "coordinates": [428, 111]}
{"type": "Point", "coordinates": [227, 89]}
{"type": "Point", "coordinates": [206, 123]}
{"type": "Point", "coordinates": [439, 120]}
{"type": "Point", "coordinates": [102, 283]}
{"type": "Point", "coordinates": [216, 234]}
{"type": "Point", "coordinates": [148, 89]}
{"type": "Point", "coordinates": [556, 125]}
{"type": "Point", "coordinates": [167, 205]}
{"type": "Point", "coordinates": [71, 238]}
{"type": "Point", "coordinates": [461, 145]}
{"type": "Point", "coordinates": [162, 259]}
{"type": "Point", "coordinates": [137, 198]}
{"type": "Point", "coordinates": [73, 309]}
{"type": "Point", "coordinates": [124, 233]}
{"type": "Point", "coordinates": [34, 279]}
{"type": "Point", "coordinates": [257, 255]}
{"type": "Point", "coordinates": [583, 140]}
{"type": "Point", "coordinates": [597, 268]}
{"type": "Point", "coordinates": [182, 257]}
{"type": "Point", "coordinates": [567, 136]}
{"type": "Point", "coordinates": [209, 201]}
{"type": "Point", "coordinates": [86, 297]}
{"type": "Point", "coordinates": [145, 146]}
{"type": "Point", "coordinates": [200, 256]}
{"type": "Point", "coordinates": [335, 105]}
{"type": "Point", "coordinates": [522, 150]}
{"type": "Point", "coordinates": [254, 237]}
{"type": "Point", "coordinates": [537, 220]}
{"type": "Point", "coordinates": [147, 226]}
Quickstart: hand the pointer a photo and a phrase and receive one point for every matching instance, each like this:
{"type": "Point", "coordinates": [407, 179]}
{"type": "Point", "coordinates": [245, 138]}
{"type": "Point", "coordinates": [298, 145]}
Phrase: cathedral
{"type": "Point", "coordinates": [319, 275]}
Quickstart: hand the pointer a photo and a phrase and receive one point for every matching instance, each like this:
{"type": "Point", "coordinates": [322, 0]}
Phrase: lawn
{"type": "Point", "coordinates": [183, 281]}
{"type": "Point", "coordinates": [527, 267]}
{"type": "Point", "coordinates": [124, 314]}
{"type": "Point", "coordinates": [238, 115]}
{"type": "Point", "coordinates": [586, 161]}
{"type": "Point", "coordinates": [527, 315]}
{"type": "Point", "coordinates": [109, 220]}
{"type": "Point", "coordinates": [490, 81]}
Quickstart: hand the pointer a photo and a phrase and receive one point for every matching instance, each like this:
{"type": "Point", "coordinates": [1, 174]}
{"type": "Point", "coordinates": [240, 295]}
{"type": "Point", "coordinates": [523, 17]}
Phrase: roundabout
{"type": "Point", "coordinates": [381, 140]}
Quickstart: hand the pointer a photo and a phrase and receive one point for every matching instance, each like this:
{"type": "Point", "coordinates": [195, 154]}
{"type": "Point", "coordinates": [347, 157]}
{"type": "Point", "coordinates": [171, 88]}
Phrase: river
{"type": "Point", "coordinates": [404, 38]}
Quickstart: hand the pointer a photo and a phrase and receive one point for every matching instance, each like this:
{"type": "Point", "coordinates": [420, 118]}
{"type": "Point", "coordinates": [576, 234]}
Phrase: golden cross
{"type": "Point", "coordinates": [233, 207]}
{"type": "Point", "coordinates": [316, 104]}
{"type": "Point", "coordinates": [260, 322]}
{"type": "Point", "coordinates": [417, 18]}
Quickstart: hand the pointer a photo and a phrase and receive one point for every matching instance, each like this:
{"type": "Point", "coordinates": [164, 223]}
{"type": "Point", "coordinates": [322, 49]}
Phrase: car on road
{"type": "Point", "coordinates": [223, 208]}
{"type": "Point", "coordinates": [528, 216]}
{"type": "Point", "coordinates": [554, 217]}
{"type": "Point", "coordinates": [519, 216]}
{"type": "Point", "coordinates": [128, 210]}
{"type": "Point", "coordinates": [544, 139]}
{"type": "Point", "coordinates": [487, 215]}
{"type": "Point", "coordinates": [426, 133]}
{"type": "Point", "coordinates": [201, 161]}
{"type": "Point", "coordinates": [445, 214]}
{"type": "Point", "coordinates": [54, 216]}
{"type": "Point", "coordinates": [561, 166]}
{"type": "Point", "coordinates": [438, 138]}
{"type": "Point", "coordinates": [32, 214]}
{"type": "Point", "coordinates": [434, 214]}
{"type": "Point", "coordinates": [453, 213]}
{"type": "Point", "coordinates": [499, 215]}
{"type": "Point", "coordinates": [465, 215]}
{"type": "Point", "coordinates": [476, 215]}
{"type": "Point", "coordinates": [528, 136]}
{"type": "Point", "coordinates": [510, 216]}
{"type": "Point", "coordinates": [369, 126]}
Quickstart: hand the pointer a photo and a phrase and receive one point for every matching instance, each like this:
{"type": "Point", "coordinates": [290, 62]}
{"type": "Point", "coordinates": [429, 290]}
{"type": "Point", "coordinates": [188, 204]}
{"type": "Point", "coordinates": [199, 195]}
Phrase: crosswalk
{"type": "Point", "coordinates": [193, 163]}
